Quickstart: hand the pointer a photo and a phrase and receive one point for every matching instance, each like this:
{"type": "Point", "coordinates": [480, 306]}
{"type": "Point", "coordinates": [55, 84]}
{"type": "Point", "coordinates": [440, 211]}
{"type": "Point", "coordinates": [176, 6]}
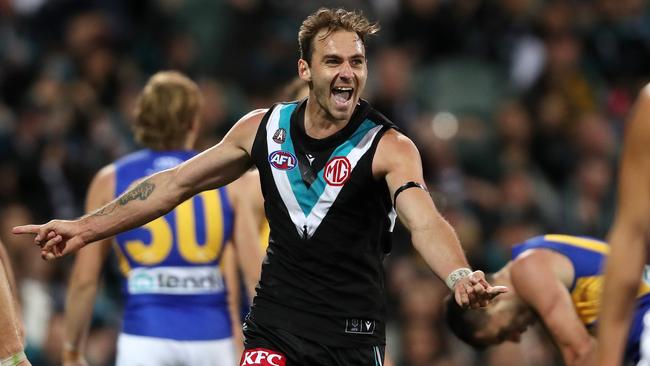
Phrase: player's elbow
{"type": "Point", "coordinates": [421, 231]}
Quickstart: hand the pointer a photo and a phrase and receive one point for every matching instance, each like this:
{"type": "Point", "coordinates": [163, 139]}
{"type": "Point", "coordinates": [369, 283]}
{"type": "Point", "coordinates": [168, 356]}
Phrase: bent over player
{"type": "Point", "coordinates": [558, 280]}
{"type": "Point", "coordinates": [332, 170]}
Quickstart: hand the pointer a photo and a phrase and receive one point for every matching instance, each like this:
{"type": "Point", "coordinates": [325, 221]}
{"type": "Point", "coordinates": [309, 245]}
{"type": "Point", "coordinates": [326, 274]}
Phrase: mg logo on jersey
{"type": "Point", "coordinates": [282, 160]}
{"type": "Point", "coordinates": [262, 357]}
{"type": "Point", "coordinates": [337, 171]}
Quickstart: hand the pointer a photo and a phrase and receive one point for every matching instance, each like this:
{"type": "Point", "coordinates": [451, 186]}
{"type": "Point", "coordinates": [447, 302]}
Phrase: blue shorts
{"type": "Point", "coordinates": [632, 349]}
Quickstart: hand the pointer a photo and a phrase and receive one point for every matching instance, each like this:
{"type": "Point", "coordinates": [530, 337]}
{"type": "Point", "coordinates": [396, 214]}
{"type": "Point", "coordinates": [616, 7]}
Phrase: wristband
{"type": "Point", "coordinates": [14, 359]}
{"type": "Point", "coordinates": [456, 276]}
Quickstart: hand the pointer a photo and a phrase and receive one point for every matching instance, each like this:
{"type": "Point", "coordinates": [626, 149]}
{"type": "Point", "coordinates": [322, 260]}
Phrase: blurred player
{"type": "Point", "coordinates": [334, 173]}
{"type": "Point", "coordinates": [555, 278]}
{"type": "Point", "coordinates": [11, 329]}
{"type": "Point", "coordinates": [297, 89]}
{"type": "Point", "coordinates": [249, 183]}
{"type": "Point", "coordinates": [628, 239]}
{"type": "Point", "coordinates": [176, 268]}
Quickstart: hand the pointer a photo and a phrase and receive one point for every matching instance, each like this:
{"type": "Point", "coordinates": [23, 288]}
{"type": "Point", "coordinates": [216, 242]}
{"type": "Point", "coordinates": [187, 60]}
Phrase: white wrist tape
{"type": "Point", "coordinates": [14, 359]}
{"type": "Point", "coordinates": [457, 275]}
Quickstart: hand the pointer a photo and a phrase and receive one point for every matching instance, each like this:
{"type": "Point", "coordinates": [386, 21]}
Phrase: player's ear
{"type": "Point", "coordinates": [304, 72]}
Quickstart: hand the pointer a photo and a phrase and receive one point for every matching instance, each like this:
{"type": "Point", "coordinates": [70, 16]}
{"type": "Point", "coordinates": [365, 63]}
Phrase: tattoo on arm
{"type": "Point", "coordinates": [105, 210]}
{"type": "Point", "coordinates": [142, 191]}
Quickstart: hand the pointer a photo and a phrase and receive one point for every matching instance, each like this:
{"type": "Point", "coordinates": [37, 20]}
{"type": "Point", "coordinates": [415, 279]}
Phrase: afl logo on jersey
{"type": "Point", "coordinates": [282, 160]}
{"type": "Point", "coordinates": [280, 135]}
{"type": "Point", "coordinates": [337, 171]}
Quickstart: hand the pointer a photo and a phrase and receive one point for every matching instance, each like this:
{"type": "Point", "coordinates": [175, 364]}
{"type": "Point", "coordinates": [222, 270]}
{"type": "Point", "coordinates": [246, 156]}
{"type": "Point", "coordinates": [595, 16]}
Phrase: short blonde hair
{"type": "Point", "coordinates": [165, 110]}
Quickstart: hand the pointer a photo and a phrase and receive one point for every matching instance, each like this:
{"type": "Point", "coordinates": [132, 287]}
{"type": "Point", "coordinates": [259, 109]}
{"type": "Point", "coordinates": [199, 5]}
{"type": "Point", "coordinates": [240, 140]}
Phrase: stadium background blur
{"type": "Point", "coordinates": [517, 107]}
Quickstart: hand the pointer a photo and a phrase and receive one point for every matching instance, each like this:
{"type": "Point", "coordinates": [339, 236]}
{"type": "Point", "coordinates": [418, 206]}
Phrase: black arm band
{"type": "Point", "coordinates": [406, 186]}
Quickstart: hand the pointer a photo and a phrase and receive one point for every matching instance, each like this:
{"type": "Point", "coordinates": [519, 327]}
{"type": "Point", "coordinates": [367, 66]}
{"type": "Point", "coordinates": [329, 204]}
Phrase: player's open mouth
{"type": "Point", "coordinates": [342, 94]}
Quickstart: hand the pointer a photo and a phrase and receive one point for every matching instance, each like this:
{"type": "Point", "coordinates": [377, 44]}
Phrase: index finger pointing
{"type": "Point", "coordinates": [26, 229]}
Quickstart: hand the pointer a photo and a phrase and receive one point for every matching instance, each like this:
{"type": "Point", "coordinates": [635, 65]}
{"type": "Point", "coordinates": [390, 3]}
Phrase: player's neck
{"type": "Point", "coordinates": [319, 123]}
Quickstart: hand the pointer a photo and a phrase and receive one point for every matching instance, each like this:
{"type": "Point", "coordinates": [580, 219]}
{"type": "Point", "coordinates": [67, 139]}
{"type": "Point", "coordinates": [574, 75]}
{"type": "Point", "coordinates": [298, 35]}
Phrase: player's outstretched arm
{"type": "Point", "coordinates": [627, 236]}
{"type": "Point", "coordinates": [84, 278]}
{"type": "Point", "coordinates": [536, 279]}
{"type": "Point", "coordinates": [398, 161]}
{"type": "Point", "coordinates": [154, 196]}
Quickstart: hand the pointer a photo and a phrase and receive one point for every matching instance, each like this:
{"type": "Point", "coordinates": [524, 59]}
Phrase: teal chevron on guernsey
{"type": "Point", "coordinates": [308, 206]}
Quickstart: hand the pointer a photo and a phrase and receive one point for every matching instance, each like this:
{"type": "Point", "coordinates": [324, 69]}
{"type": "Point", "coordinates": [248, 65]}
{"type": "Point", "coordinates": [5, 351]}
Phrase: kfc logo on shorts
{"type": "Point", "coordinates": [337, 171]}
{"type": "Point", "coordinates": [262, 357]}
{"type": "Point", "coordinates": [282, 160]}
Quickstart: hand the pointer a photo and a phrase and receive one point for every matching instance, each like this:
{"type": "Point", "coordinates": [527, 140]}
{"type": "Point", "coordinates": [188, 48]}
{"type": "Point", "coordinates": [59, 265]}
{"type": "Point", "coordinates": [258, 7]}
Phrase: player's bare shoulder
{"type": "Point", "coordinates": [102, 187]}
{"type": "Point", "coordinates": [641, 129]}
{"type": "Point", "coordinates": [244, 130]}
{"type": "Point", "coordinates": [394, 149]}
{"type": "Point", "coordinates": [534, 263]}
{"type": "Point", "coordinates": [252, 119]}
{"type": "Point", "coordinates": [105, 173]}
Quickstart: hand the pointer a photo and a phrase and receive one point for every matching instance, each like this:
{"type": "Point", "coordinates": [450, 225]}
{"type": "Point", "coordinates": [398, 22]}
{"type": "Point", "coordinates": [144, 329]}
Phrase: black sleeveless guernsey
{"type": "Point", "coordinates": [330, 220]}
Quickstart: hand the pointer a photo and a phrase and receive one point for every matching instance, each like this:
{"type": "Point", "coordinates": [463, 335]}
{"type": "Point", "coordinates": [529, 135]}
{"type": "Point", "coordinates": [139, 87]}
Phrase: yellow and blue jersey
{"type": "Point", "coordinates": [173, 284]}
{"type": "Point", "coordinates": [588, 255]}
{"type": "Point", "coordinates": [265, 232]}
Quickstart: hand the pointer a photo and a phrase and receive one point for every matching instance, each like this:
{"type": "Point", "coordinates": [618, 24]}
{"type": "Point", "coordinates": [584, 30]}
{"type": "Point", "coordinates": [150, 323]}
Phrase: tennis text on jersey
{"type": "Point", "coordinates": [176, 280]}
{"type": "Point", "coordinates": [262, 357]}
{"type": "Point", "coordinates": [337, 171]}
{"type": "Point", "coordinates": [282, 160]}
